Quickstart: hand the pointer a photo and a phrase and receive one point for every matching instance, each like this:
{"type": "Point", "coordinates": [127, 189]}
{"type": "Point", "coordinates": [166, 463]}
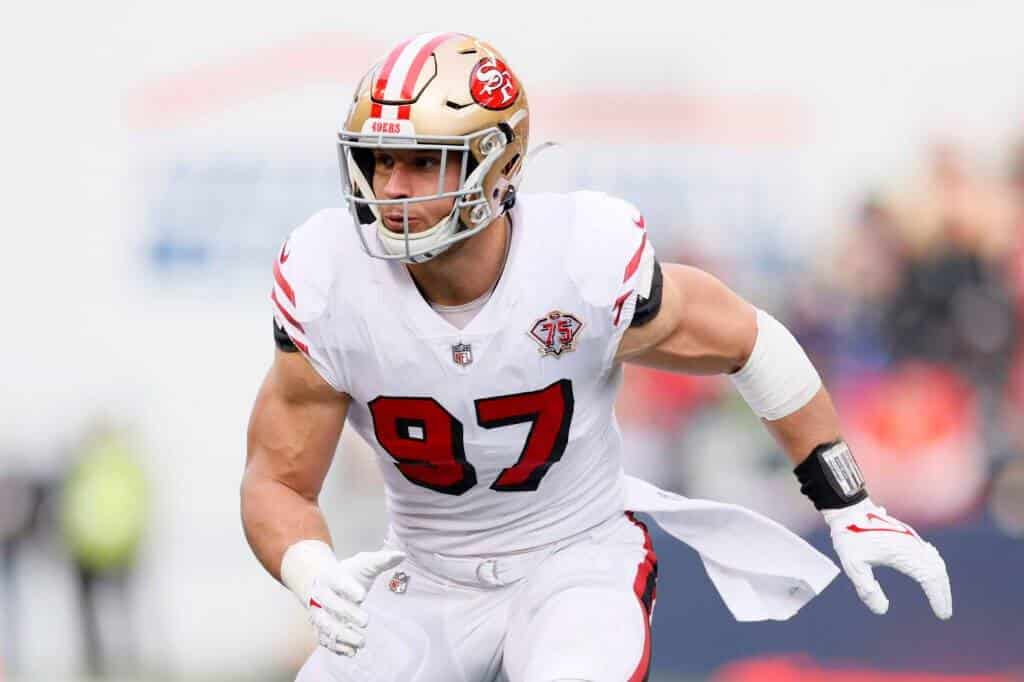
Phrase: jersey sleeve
{"type": "Point", "coordinates": [304, 274]}
{"type": "Point", "coordinates": [612, 262]}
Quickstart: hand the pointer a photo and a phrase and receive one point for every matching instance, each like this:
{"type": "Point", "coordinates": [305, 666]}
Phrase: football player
{"type": "Point", "coordinates": [474, 336]}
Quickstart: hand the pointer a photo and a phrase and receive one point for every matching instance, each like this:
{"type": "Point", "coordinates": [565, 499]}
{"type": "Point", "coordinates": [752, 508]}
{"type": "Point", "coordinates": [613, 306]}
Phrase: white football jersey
{"type": "Point", "coordinates": [500, 436]}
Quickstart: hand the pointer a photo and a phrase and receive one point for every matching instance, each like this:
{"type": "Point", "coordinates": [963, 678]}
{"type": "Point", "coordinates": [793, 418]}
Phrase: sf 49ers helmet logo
{"type": "Point", "coordinates": [492, 84]}
{"type": "Point", "coordinates": [556, 333]}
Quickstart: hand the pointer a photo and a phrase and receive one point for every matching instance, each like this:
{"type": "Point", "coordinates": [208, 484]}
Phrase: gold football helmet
{"type": "Point", "coordinates": [445, 92]}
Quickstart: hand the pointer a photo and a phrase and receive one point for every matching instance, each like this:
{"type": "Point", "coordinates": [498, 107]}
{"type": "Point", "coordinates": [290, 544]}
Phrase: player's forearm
{"type": "Point", "coordinates": [275, 517]}
{"type": "Point", "coordinates": [293, 432]}
{"type": "Point", "coordinates": [810, 426]}
{"type": "Point", "coordinates": [782, 387]}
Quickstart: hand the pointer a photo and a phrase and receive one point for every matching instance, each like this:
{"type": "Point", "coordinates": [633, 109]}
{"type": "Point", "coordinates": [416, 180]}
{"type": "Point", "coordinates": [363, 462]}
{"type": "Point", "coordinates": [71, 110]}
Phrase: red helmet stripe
{"type": "Point", "coordinates": [413, 74]}
{"type": "Point", "coordinates": [384, 74]}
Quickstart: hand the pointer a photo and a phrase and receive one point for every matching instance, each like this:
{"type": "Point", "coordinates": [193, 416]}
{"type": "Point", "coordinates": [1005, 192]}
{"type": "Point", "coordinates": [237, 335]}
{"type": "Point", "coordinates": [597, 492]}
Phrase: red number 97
{"type": "Point", "coordinates": [426, 440]}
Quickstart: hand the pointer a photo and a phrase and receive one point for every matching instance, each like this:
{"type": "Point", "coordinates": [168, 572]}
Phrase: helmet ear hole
{"type": "Point", "coordinates": [509, 200]}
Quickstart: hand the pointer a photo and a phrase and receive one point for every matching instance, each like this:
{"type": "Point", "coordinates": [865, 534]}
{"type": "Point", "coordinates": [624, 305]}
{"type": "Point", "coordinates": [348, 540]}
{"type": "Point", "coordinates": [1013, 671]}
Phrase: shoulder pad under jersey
{"type": "Point", "coordinates": [305, 272]}
{"type": "Point", "coordinates": [305, 266]}
{"type": "Point", "coordinates": [611, 259]}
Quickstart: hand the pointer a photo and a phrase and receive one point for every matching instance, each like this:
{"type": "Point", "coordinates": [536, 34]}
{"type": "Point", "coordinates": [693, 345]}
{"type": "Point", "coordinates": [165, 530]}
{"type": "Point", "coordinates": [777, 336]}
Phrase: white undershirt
{"type": "Point", "coordinates": [460, 315]}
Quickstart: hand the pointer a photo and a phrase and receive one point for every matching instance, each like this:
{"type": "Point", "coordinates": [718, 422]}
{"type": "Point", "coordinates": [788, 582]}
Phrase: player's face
{"type": "Point", "coordinates": [404, 174]}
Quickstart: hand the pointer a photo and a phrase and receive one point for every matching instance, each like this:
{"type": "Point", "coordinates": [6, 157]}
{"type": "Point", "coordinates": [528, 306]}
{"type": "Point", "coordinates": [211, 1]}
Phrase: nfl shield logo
{"type": "Point", "coordinates": [462, 354]}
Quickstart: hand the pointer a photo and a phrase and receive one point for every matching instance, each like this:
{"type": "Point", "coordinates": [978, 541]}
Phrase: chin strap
{"type": "Point", "coordinates": [356, 173]}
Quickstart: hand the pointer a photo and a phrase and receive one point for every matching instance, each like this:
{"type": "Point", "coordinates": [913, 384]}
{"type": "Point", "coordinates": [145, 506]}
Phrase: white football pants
{"type": "Point", "coordinates": [578, 609]}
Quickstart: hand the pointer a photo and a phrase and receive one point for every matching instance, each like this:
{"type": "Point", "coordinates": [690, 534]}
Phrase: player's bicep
{"type": "Point", "coordinates": [702, 326]}
{"type": "Point", "coordinates": [295, 425]}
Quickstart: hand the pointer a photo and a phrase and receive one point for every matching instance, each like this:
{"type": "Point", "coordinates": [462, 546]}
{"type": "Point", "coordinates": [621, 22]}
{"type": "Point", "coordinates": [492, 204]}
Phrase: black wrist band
{"type": "Point", "coordinates": [830, 477]}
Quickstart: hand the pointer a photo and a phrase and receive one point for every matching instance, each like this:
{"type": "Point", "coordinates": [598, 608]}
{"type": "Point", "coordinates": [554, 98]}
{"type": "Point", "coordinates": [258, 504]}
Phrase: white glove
{"type": "Point", "coordinates": [865, 536]}
{"type": "Point", "coordinates": [333, 590]}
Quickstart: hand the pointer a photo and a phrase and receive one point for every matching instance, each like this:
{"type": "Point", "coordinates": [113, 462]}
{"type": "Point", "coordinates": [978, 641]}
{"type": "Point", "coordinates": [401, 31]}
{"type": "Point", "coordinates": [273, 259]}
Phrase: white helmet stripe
{"type": "Point", "coordinates": [399, 72]}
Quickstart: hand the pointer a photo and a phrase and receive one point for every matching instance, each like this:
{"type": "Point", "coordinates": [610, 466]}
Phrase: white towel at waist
{"type": "Point", "coordinates": [762, 570]}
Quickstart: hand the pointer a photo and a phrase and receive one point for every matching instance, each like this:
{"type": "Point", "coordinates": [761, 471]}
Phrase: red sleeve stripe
{"type": "Point", "coordinates": [295, 335]}
{"type": "Point", "coordinates": [619, 302]}
{"type": "Point", "coordinates": [413, 74]}
{"type": "Point", "coordinates": [295, 323]}
{"type": "Point", "coordinates": [286, 288]}
{"type": "Point", "coordinates": [634, 262]}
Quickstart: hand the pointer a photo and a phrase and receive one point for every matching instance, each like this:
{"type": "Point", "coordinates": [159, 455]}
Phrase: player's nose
{"type": "Point", "coordinates": [399, 184]}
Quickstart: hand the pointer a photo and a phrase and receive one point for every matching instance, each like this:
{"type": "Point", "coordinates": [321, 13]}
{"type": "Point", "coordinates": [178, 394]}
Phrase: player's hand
{"type": "Point", "coordinates": [865, 536]}
{"type": "Point", "coordinates": [336, 595]}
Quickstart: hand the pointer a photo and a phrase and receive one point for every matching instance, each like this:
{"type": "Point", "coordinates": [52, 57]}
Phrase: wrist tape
{"type": "Point", "coordinates": [830, 477]}
{"type": "Point", "coordinates": [302, 563]}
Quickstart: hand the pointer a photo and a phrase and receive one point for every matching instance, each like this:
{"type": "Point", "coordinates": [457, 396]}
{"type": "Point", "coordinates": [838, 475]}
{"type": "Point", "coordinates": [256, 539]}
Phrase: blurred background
{"type": "Point", "coordinates": [855, 168]}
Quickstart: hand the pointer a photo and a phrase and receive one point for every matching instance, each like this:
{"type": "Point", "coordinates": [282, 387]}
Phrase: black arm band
{"type": "Point", "coordinates": [830, 477]}
{"type": "Point", "coordinates": [283, 341]}
{"type": "Point", "coordinates": [647, 308]}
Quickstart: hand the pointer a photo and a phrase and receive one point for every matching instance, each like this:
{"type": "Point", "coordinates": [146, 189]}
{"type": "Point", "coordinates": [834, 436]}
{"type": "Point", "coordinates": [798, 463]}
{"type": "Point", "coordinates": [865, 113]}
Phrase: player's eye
{"type": "Point", "coordinates": [384, 160]}
{"type": "Point", "coordinates": [426, 162]}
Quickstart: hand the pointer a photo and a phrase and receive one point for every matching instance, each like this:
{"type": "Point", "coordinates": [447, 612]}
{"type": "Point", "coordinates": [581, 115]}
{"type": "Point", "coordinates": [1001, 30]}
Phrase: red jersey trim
{"type": "Point", "coordinates": [645, 588]}
{"type": "Point", "coordinates": [634, 262]}
{"type": "Point", "coordinates": [291, 320]}
{"type": "Point", "coordinates": [283, 283]}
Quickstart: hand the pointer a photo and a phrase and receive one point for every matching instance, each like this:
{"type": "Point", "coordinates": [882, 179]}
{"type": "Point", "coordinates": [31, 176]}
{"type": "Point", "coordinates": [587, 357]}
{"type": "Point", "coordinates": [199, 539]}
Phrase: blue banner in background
{"type": "Point", "coordinates": [226, 216]}
{"type": "Point", "coordinates": [223, 216]}
{"type": "Point", "coordinates": [695, 635]}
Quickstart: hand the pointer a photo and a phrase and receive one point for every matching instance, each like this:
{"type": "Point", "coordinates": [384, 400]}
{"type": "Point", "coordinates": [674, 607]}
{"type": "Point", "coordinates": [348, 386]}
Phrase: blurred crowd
{"type": "Point", "coordinates": [914, 318]}
{"type": "Point", "coordinates": [79, 520]}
